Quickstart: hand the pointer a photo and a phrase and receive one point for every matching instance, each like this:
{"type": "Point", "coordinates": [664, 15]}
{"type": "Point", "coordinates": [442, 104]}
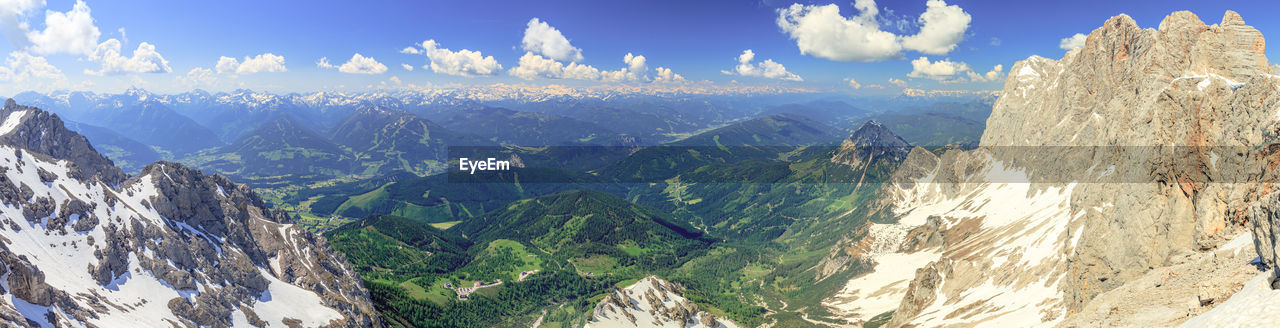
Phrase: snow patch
{"type": "Point", "coordinates": [12, 121]}
{"type": "Point", "coordinates": [282, 300]}
{"type": "Point", "coordinates": [1255, 305]}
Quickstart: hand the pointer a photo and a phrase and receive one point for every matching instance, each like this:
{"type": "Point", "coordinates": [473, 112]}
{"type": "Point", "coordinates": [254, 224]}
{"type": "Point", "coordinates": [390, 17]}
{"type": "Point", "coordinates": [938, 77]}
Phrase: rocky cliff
{"type": "Point", "coordinates": [1130, 154]}
{"type": "Point", "coordinates": [81, 245]}
{"type": "Point", "coordinates": [652, 302]}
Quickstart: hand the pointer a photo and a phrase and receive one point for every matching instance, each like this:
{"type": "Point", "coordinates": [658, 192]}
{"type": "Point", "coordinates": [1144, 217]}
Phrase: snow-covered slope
{"type": "Point", "coordinates": [1095, 171]}
{"type": "Point", "coordinates": [171, 246]}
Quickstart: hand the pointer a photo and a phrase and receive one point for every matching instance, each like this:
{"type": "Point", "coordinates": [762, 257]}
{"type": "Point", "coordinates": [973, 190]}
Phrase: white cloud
{"type": "Point", "coordinates": [362, 65]}
{"type": "Point", "coordinates": [23, 67]}
{"type": "Point", "coordinates": [1072, 42]}
{"type": "Point", "coordinates": [766, 69]}
{"type": "Point", "coordinates": [199, 76]}
{"type": "Point", "coordinates": [71, 32]}
{"type": "Point", "coordinates": [323, 62]}
{"type": "Point", "coordinates": [267, 62]}
{"type": "Point", "coordinates": [145, 59]}
{"type": "Point", "coordinates": [541, 38]}
{"type": "Point", "coordinates": [853, 83]}
{"type": "Point", "coordinates": [994, 74]}
{"type": "Point", "coordinates": [407, 67]}
{"type": "Point", "coordinates": [941, 70]}
{"type": "Point", "coordinates": [460, 63]}
{"type": "Point", "coordinates": [13, 22]}
{"type": "Point", "coordinates": [897, 82]}
{"type": "Point", "coordinates": [358, 64]}
{"type": "Point", "coordinates": [947, 71]}
{"type": "Point", "coordinates": [411, 51]}
{"type": "Point", "coordinates": [533, 66]}
{"type": "Point", "coordinates": [942, 27]}
{"type": "Point", "coordinates": [666, 75]}
{"type": "Point", "coordinates": [636, 71]}
{"type": "Point", "coordinates": [821, 31]}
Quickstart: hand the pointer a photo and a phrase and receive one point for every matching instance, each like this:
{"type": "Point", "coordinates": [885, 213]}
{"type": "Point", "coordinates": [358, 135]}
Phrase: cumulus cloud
{"type": "Point", "coordinates": [407, 67]}
{"type": "Point", "coordinates": [994, 74]}
{"type": "Point", "coordinates": [821, 31]}
{"type": "Point", "coordinates": [145, 59]}
{"type": "Point", "coordinates": [199, 76]}
{"type": "Point", "coordinates": [23, 67]}
{"type": "Point", "coordinates": [12, 19]}
{"type": "Point", "coordinates": [666, 75]}
{"type": "Point", "coordinates": [941, 70]}
{"type": "Point", "coordinates": [853, 83]}
{"type": "Point", "coordinates": [533, 66]}
{"type": "Point", "coordinates": [263, 63]}
{"type": "Point", "coordinates": [460, 63]}
{"type": "Point", "coordinates": [942, 27]}
{"type": "Point", "coordinates": [766, 69]}
{"type": "Point", "coordinates": [637, 70]}
{"type": "Point", "coordinates": [1072, 42]}
{"type": "Point", "coordinates": [71, 32]}
{"type": "Point", "coordinates": [947, 71]}
{"type": "Point", "coordinates": [897, 82]}
{"type": "Point", "coordinates": [540, 38]}
{"type": "Point", "coordinates": [359, 64]}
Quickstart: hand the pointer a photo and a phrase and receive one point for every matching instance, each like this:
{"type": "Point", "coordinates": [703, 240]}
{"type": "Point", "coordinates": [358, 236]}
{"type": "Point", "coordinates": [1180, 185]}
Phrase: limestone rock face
{"type": "Point", "coordinates": [1265, 216]}
{"type": "Point", "coordinates": [81, 245]}
{"type": "Point", "coordinates": [652, 302]}
{"type": "Point", "coordinates": [42, 133]}
{"type": "Point", "coordinates": [1118, 159]}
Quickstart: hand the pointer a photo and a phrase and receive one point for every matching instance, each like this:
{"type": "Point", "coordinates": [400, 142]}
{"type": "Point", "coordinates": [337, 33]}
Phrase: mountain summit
{"type": "Point", "coordinates": [83, 246]}
{"type": "Point", "coordinates": [871, 141]}
{"type": "Point", "coordinates": [1071, 202]}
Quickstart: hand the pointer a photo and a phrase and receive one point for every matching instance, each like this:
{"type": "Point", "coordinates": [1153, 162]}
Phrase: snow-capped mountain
{"type": "Point", "coordinates": [81, 245]}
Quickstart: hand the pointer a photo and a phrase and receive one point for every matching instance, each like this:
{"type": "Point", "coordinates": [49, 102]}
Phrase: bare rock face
{"type": "Point", "coordinates": [652, 302]}
{"type": "Point", "coordinates": [871, 141]}
{"type": "Point", "coordinates": [1265, 216]}
{"type": "Point", "coordinates": [82, 246]}
{"type": "Point", "coordinates": [43, 133]}
{"type": "Point", "coordinates": [1120, 158]}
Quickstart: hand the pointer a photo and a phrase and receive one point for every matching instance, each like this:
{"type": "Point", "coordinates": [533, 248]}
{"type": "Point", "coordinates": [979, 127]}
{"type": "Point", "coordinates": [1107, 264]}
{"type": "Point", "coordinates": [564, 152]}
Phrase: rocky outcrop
{"type": "Point", "coordinates": [1094, 170]}
{"type": "Point", "coordinates": [1265, 216]}
{"type": "Point", "coordinates": [652, 302]}
{"type": "Point", "coordinates": [44, 134]}
{"type": "Point", "coordinates": [170, 246]}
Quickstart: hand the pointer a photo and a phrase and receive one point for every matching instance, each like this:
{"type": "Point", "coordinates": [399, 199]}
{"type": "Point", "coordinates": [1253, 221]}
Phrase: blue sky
{"type": "Point", "coordinates": [697, 40]}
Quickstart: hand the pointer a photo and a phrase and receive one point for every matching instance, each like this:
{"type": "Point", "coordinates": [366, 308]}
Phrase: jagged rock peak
{"type": "Point", "coordinates": [43, 133]}
{"type": "Point", "coordinates": [872, 141]}
{"type": "Point", "coordinates": [875, 134]}
{"type": "Point", "coordinates": [171, 245]}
